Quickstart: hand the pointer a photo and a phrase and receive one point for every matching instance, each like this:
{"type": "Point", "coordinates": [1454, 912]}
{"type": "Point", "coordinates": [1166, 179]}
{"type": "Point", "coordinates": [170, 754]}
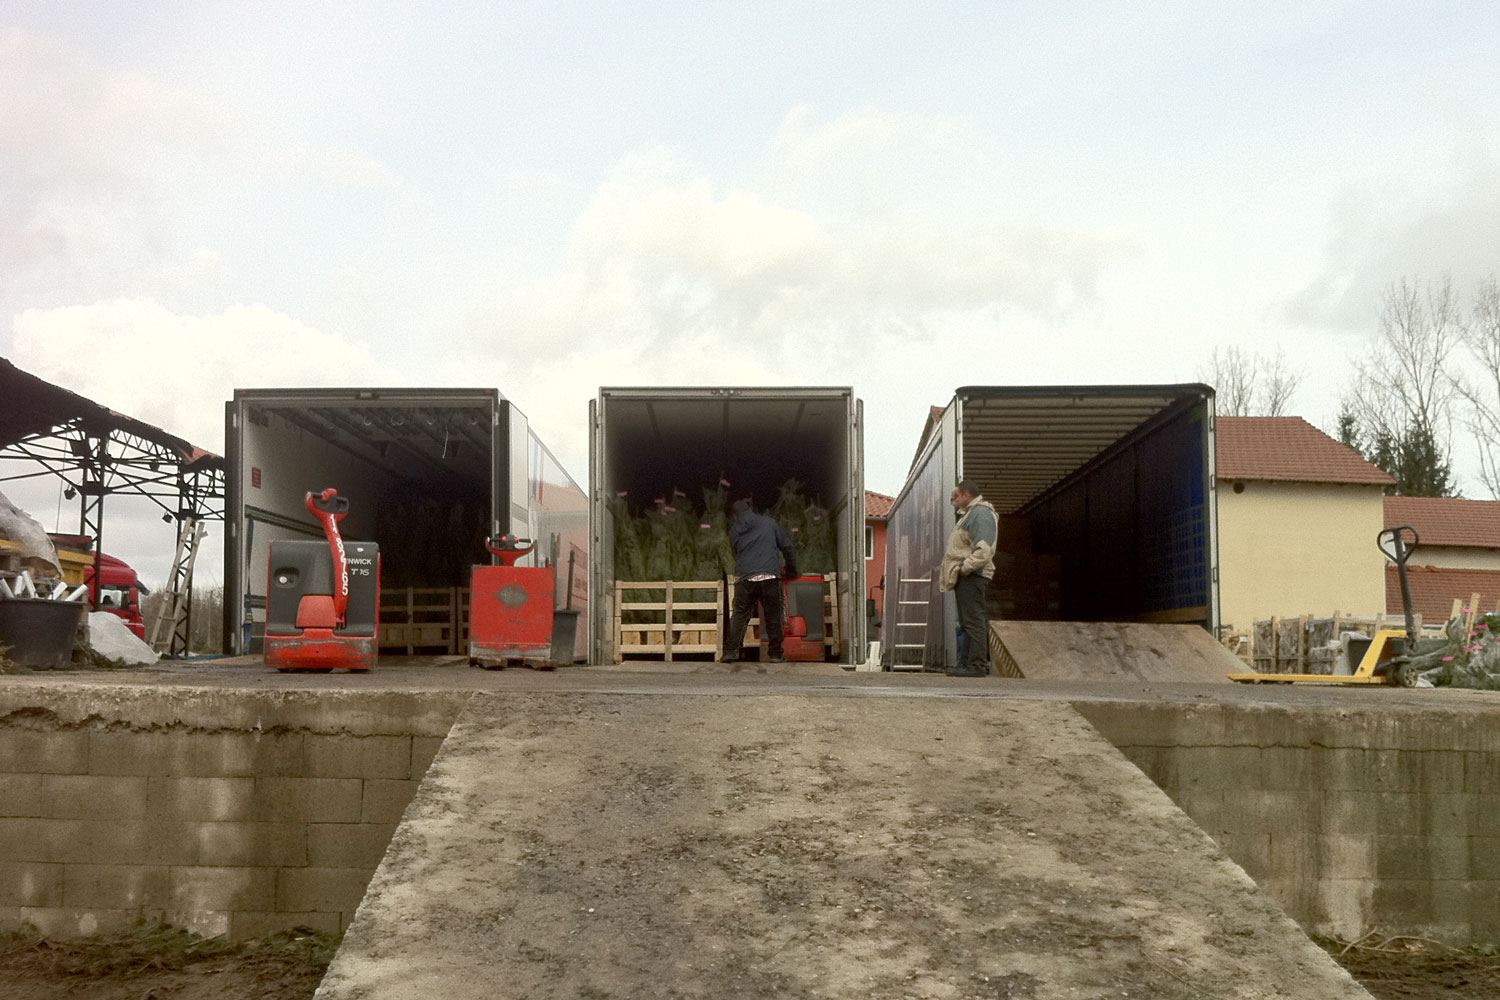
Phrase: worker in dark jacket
{"type": "Point", "coordinates": [763, 555]}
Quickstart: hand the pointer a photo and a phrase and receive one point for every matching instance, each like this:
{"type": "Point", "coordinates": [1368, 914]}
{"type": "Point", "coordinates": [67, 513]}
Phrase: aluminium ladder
{"type": "Point", "coordinates": [909, 650]}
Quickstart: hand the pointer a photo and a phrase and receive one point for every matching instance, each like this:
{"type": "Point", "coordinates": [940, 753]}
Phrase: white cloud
{"type": "Point", "coordinates": [104, 173]}
{"type": "Point", "coordinates": [663, 252]}
{"type": "Point", "coordinates": [177, 371]}
{"type": "Point", "coordinates": [1384, 230]}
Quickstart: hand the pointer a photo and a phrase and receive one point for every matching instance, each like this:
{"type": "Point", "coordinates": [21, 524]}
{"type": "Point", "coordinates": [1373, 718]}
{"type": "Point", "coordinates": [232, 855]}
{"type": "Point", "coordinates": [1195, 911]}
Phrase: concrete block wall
{"type": "Point", "coordinates": [1354, 819]}
{"type": "Point", "coordinates": [226, 812]}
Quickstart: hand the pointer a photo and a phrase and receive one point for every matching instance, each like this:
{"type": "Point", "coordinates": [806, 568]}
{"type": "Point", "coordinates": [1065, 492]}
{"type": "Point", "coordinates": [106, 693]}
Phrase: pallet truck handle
{"type": "Point", "coordinates": [330, 508]}
{"type": "Point", "coordinates": [1392, 542]}
{"type": "Point", "coordinates": [510, 548]}
{"type": "Point", "coordinates": [1399, 552]}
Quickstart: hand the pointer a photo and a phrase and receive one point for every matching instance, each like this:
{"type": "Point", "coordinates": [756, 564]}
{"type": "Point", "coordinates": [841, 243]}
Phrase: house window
{"type": "Point", "coordinates": [869, 542]}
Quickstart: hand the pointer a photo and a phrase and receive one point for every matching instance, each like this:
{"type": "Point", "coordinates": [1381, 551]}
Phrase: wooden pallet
{"type": "Point", "coordinates": [430, 620]}
{"type": "Point", "coordinates": [683, 620]}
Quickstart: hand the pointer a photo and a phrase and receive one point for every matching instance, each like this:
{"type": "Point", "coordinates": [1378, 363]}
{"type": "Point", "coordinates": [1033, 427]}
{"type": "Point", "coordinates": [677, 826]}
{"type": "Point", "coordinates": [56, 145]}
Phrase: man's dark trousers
{"type": "Point", "coordinates": [747, 595]}
{"type": "Point", "coordinates": [969, 593]}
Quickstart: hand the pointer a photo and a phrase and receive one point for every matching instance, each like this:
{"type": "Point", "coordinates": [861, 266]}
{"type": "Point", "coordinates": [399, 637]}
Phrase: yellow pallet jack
{"type": "Point", "coordinates": [1387, 660]}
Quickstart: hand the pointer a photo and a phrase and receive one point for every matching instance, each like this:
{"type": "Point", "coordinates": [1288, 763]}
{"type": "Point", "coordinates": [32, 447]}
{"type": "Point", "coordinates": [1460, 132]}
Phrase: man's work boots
{"type": "Point", "coordinates": [963, 671]}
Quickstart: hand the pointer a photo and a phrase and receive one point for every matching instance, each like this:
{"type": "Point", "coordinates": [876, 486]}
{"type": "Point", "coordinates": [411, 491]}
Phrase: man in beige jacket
{"type": "Point", "coordinates": [968, 565]}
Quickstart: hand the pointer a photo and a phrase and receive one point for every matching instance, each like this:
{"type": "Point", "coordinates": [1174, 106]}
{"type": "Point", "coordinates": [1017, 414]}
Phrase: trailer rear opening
{"type": "Point", "coordinates": [1105, 497]}
{"type": "Point", "coordinates": [429, 473]}
{"type": "Point", "coordinates": [649, 442]}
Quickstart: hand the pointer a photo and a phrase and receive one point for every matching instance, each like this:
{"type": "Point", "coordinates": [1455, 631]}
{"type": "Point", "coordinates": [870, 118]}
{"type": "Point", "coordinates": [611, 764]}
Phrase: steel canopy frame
{"type": "Point", "coordinates": [98, 452]}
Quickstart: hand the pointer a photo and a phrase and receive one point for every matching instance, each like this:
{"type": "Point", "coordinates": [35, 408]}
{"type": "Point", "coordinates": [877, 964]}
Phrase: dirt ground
{"type": "Point", "coordinates": [162, 963]}
{"type": "Point", "coordinates": [33, 970]}
{"type": "Point", "coordinates": [1407, 970]}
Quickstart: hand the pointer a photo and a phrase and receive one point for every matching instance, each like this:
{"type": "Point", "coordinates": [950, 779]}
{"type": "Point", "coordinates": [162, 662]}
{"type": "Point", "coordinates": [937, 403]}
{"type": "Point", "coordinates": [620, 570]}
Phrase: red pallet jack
{"type": "Point", "coordinates": [513, 618]}
{"type": "Point", "coordinates": [802, 597]}
{"type": "Point", "coordinates": [323, 598]}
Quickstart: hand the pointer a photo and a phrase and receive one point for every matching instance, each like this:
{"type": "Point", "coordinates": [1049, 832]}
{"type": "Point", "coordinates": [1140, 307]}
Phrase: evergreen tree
{"type": "Point", "coordinates": [1348, 430]}
{"type": "Point", "coordinates": [1414, 460]}
{"type": "Point", "coordinates": [1424, 469]}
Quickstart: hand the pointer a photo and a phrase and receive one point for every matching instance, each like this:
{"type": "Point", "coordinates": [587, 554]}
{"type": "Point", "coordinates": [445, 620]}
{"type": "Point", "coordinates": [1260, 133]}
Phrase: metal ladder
{"type": "Point", "coordinates": [174, 613]}
{"type": "Point", "coordinates": [911, 632]}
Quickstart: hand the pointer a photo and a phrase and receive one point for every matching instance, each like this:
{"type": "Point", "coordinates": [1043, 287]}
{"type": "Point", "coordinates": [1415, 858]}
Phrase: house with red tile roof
{"type": "Point", "coordinates": [1457, 555]}
{"type": "Point", "coordinates": [1299, 513]}
{"type": "Point", "coordinates": [877, 508]}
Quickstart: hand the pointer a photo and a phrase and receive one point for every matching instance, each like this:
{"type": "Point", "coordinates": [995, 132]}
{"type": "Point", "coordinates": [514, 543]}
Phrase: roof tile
{"type": "Point", "coordinates": [1447, 520]}
{"type": "Point", "coordinates": [877, 505]}
{"type": "Point", "coordinates": [1433, 590]}
{"type": "Point", "coordinates": [1291, 449]}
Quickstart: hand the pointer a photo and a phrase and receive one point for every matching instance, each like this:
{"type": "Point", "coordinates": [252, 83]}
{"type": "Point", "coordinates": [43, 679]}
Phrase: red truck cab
{"type": "Point", "coordinates": [118, 592]}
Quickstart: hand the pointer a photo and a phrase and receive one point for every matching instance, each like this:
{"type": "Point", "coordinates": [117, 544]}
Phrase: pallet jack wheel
{"type": "Point", "coordinates": [1403, 675]}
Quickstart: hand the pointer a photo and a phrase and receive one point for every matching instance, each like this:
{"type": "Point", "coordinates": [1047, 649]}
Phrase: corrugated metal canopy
{"type": "Point", "coordinates": [35, 408]}
{"type": "Point", "coordinates": [1019, 441]}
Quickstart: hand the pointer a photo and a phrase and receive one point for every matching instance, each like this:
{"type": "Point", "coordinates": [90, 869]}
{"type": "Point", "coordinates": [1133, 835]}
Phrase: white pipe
{"type": "Point", "coordinates": [76, 592]}
{"type": "Point", "coordinates": [5, 590]}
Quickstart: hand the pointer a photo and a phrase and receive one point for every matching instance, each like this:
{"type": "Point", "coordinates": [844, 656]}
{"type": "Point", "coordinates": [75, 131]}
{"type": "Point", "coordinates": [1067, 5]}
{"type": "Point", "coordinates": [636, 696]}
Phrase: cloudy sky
{"type": "Point", "coordinates": [547, 197]}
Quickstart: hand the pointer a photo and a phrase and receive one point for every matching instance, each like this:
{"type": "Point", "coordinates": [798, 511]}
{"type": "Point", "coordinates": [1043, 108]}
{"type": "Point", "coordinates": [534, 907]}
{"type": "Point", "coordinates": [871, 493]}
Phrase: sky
{"type": "Point", "coordinates": [549, 197]}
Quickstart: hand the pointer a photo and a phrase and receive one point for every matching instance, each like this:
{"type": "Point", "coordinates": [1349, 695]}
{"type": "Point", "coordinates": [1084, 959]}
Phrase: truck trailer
{"type": "Point", "coordinates": [430, 474]}
{"type": "Point", "coordinates": [1106, 502]}
{"type": "Point", "coordinates": [647, 442]}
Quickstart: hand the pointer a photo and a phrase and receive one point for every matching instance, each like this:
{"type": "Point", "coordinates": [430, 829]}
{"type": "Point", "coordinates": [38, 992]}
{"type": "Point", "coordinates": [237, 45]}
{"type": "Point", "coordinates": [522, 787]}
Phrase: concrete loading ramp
{"type": "Point", "coordinates": [1109, 651]}
{"type": "Point", "coordinates": [728, 847]}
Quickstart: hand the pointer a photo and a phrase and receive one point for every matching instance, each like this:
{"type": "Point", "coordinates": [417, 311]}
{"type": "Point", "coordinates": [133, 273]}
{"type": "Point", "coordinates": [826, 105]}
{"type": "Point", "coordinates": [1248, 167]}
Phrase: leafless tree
{"type": "Point", "coordinates": [1404, 391]}
{"type": "Point", "coordinates": [1278, 384]}
{"type": "Point", "coordinates": [1247, 385]}
{"type": "Point", "coordinates": [1405, 381]}
{"type": "Point", "coordinates": [1480, 384]}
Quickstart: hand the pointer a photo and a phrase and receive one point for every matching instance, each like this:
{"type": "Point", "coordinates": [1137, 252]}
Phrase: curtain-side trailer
{"type": "Point", "coordinates": [646, 442]}
{"type": "Point", "coordinates": [429, 473]}
{"type": "Point", "coordinates": [1106, 504]}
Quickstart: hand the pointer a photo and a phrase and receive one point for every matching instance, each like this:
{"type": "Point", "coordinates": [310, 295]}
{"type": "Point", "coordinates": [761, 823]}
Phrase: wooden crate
{"type": "Point", "coordinates": [683, 618]}
{"type": "Point", "coordinates": [424, 620]}
{"type": "Point", "coordinates": [681, 624]}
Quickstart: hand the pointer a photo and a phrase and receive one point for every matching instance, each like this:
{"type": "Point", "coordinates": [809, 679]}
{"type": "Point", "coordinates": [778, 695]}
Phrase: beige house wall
{"type": "Point", "coordinates": [1298, 549]}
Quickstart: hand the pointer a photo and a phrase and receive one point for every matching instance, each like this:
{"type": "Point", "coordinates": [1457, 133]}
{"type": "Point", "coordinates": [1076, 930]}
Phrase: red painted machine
{"type": "Point", "coordinates": [513, 616]}
{"type": "Point", "coordinates": [323, 598]}
{"type": "Point", "coordinates": [803, 600]}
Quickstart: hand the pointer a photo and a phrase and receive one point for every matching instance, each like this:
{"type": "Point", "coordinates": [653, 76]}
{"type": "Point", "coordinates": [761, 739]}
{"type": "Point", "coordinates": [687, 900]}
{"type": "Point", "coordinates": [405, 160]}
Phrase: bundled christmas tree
{"type": "Point", "coordinates": [670, 540]}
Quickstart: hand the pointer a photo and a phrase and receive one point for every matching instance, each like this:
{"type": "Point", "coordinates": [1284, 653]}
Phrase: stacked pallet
{"type": "Point", "coordinates": [1307, 644]}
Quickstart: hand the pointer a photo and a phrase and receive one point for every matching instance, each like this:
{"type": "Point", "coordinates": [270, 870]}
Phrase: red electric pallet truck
{"type": "Point", "coordinates": [323, 598]}
{"type": "Point", "coordinates": [513, 616]}
{"type": "Point", "coordinates": [802, 599]}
